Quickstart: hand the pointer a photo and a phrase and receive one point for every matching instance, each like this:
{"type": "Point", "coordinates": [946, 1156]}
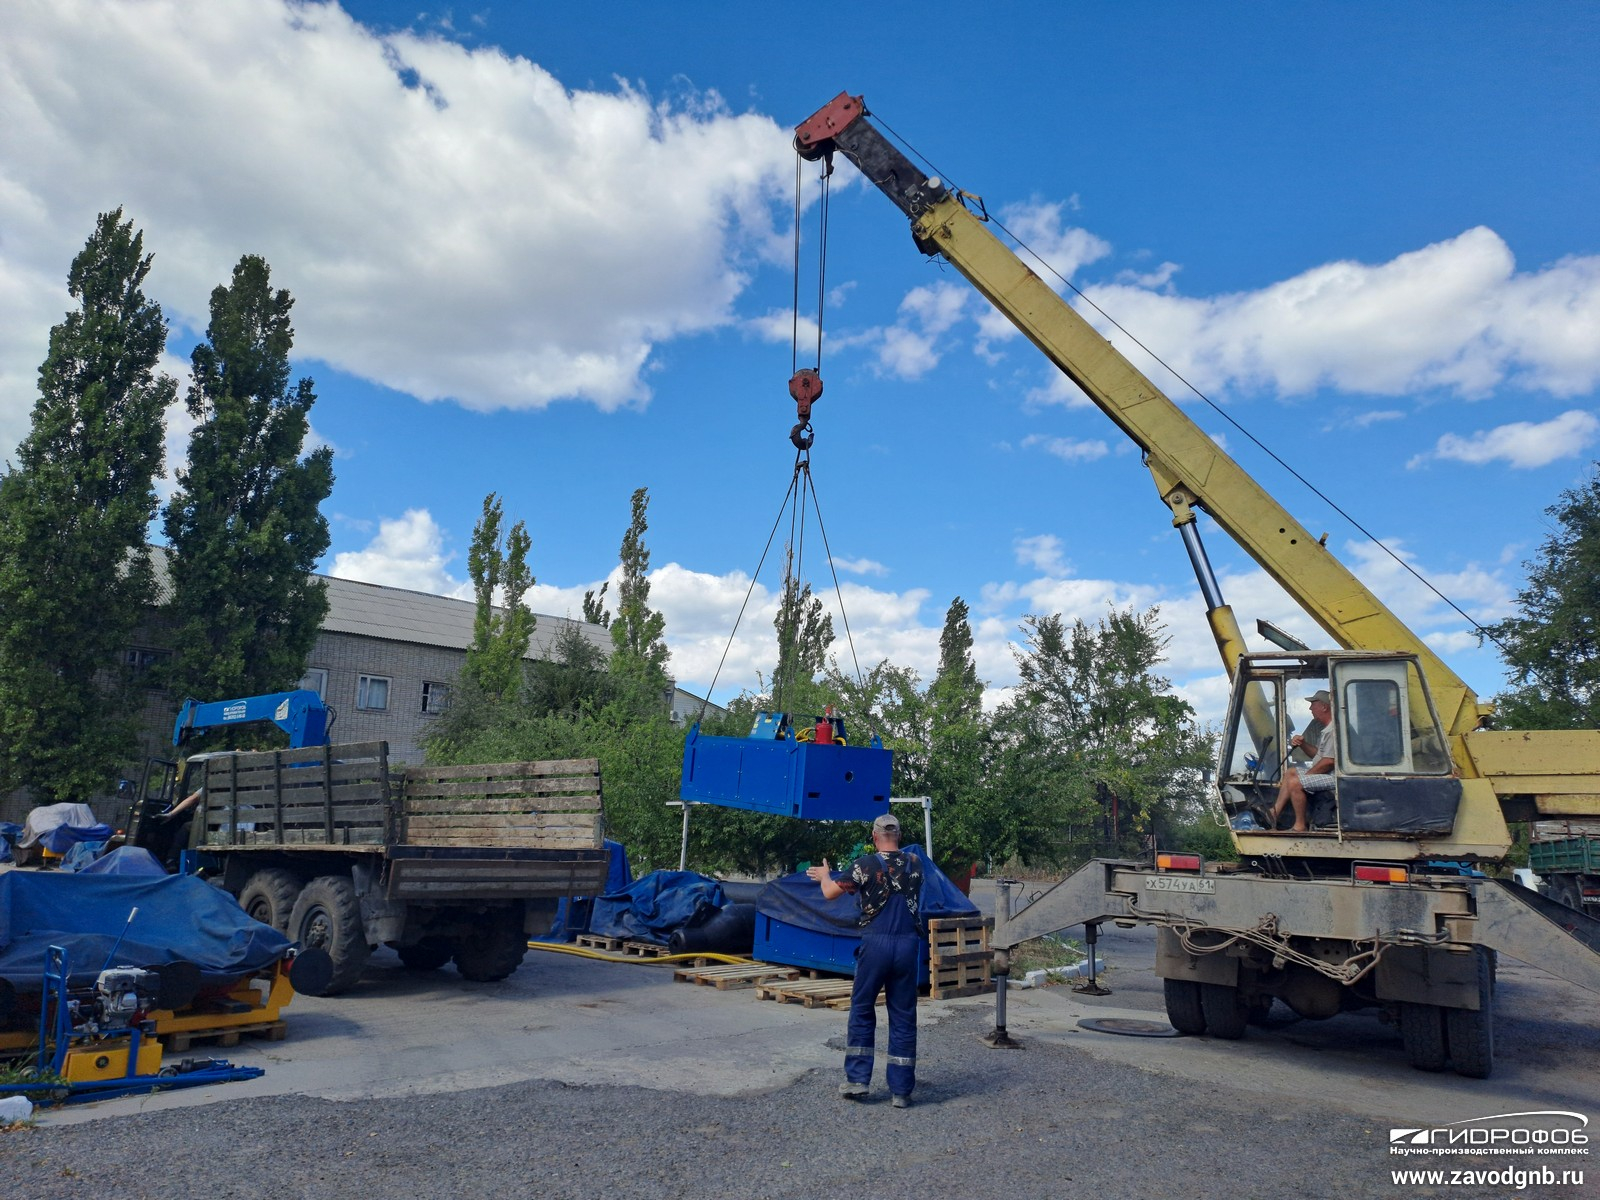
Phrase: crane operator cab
{"type": "Point", "coordinates": [1391, 775]}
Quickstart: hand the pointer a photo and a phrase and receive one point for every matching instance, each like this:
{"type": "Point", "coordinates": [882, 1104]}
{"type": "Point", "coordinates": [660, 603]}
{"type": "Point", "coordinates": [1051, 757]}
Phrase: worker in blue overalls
{"type": "Point", "coordinates": [887, 884]}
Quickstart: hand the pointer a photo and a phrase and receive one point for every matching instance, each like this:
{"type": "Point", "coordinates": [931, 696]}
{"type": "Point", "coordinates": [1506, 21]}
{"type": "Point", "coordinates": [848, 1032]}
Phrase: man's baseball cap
{"type": "Point", "coordinates": [888, 822]}
{"type": "Point", "coordinates": [1320, 697]}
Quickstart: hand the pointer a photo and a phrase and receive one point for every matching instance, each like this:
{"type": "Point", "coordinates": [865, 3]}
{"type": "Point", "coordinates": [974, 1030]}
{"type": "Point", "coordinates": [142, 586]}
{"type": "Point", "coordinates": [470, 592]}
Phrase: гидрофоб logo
{"type": "Point", "coordinates": [1549, 1131]}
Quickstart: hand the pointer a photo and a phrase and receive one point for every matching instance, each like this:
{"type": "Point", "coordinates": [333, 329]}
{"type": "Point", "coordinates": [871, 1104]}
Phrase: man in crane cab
{"type": "Point", "coordinates": [1316, 777]}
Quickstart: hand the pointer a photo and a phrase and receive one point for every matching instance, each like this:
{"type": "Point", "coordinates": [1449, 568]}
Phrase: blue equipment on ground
{"type": "Point", "coordinates": [649, 909]}
{"type": "Point", "coordinates": [300, 713]}
{"type": "Point", "coordinates": [181, 919]}
{"type": "Point", "coordinates": [795, 926]}
{"type": "Point", "coordinates": [788, 766]}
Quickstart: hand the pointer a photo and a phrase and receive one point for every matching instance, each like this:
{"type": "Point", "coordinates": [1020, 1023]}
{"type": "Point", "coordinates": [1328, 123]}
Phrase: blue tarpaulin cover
{"type": "Point", "coordinates": [797, 900]}
{"type": "Point", "coordinates": [181, 919]}
{"type": "Point", "coordinates": [571, 921]}
{"type": "Point", "coordinates": [650, 909]}
{"type": "Point", "coordinates": [126, 860]}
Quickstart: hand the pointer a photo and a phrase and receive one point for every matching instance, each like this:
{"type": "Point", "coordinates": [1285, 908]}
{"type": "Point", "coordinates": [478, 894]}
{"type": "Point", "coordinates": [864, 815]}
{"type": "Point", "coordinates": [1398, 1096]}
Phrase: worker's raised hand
{"type": "Point", "coordinates": [820, 873]}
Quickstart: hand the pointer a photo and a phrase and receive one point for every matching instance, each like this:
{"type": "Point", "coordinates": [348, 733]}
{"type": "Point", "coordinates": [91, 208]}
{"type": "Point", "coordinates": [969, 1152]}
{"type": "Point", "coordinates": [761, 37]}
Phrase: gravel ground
{"type": "Point", "coordinates": [1041, 1120]}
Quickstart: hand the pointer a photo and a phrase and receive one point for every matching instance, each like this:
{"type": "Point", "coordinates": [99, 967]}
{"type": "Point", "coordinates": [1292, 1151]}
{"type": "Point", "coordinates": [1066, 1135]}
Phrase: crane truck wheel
{"type": "Point", "coordinates": [492, 951]}
{"type": "Point", "coordinates": [1183, 1006]}
{"type": "Point", "coordinates": [268, 896]}
{"type": "Point", "coordinates": [1422, 1032]}
{"type": "Point", "coordinates": [1225, 1012]}
{"type": "Point", "coordinates": [1471, 1033]}
{"type": "Point", "coordinates": [328, 915]}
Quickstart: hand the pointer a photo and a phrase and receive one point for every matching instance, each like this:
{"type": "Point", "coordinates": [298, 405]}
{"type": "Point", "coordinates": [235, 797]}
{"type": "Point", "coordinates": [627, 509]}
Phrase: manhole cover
{"type": "Point", "coordinates": [1127, 1027]}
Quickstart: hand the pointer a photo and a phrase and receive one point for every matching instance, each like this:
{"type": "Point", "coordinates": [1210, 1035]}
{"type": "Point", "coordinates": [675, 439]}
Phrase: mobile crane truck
{"type": "Point", "coordinates": [1380, 903]}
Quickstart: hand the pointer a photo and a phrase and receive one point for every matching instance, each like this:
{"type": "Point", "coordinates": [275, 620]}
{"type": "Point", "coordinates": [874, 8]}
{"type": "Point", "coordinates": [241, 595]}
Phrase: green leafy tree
{"type": "Point", "coordinates": [1093, 744]}
{"type": "Point", "coordinates": [245, 525]}
{"type": "Point", "coordinates": [498, 564]}
{"type": "Point", "coordinates": [1552, 645]}
{"type": "Point", "coordinates": [75, 574]}
{"type": "Point", "coordinates": [637, 632]}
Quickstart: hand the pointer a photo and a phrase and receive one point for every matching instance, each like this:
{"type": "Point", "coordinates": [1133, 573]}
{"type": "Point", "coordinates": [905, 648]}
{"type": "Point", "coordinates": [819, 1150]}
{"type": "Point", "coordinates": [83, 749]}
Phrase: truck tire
{"type": "Point", "coordinates": [493, 950]}
{"type": "Point", "coordinates": [268, 896]}
{"type": "Point", "coordinates": [1226, 1015]}
{"type": "Point", "coordinates": [427, 955]}
{"type": "Point", "coordinates": [328, 915]}
{"type": "Point", "coordinates": [1471, 1034]}
{"type": "Point", "coordinates": [1567, 890]}
{"type": "Point", "coordinates": [1183, 1006]}
{"type": "Point", "coordinates": [1422, 1031]}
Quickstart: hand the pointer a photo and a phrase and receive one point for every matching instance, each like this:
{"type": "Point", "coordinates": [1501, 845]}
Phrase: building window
{"type": "Point", "coordinates": [435, 696]}
{"type": "Point", "coordinates": [372, 691]}
{"type": "Point", "coordinates": [141, 659]}
{"type": "Point", "coordinates": [315, 680]}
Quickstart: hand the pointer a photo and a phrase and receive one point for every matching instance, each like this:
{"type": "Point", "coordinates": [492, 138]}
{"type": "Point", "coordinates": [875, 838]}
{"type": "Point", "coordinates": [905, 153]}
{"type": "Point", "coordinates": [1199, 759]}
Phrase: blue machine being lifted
{"type": "Point", "coordinates": [791, 766]}
{"type": "Point", "coordinates": [300, 713]}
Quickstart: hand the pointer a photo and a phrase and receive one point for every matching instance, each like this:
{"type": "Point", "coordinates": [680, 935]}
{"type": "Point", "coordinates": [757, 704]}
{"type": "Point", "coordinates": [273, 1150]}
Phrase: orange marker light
{"type": "Point", "coordinates": [1178, 862]}
{"type": "Point", "coordinates": [1381, 874]}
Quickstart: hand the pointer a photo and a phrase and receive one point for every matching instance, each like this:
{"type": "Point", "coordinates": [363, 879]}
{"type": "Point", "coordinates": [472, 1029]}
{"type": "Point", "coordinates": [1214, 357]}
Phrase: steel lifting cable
{"type": "Point", "coordinates": [1210, 403]}
{"type": "Point", "coordinates": [805, 386]}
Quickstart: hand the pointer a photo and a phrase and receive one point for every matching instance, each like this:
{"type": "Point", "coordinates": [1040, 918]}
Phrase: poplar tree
{"type": "Point", "coordinates": [245, 525]}
{"type": "Point", "coordinates": [498, 564]}
{"type": "Point", "coordinates": [75, 574]}
{"type": "Point", "coordinates": [637, 632]}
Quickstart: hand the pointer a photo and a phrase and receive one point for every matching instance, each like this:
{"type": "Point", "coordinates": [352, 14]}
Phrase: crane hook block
{"type": "Point", "coordinates": [805, 386]}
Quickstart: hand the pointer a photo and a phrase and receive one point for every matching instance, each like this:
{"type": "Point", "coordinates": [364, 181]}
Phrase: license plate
{"type": "Point", "coordinates": [1179, 883]}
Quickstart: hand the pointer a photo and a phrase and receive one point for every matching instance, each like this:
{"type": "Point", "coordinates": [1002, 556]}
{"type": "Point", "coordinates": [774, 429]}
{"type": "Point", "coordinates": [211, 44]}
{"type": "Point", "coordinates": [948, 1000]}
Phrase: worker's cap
{"type": "Point", "coordinates": [1321, 697]}
{"type": "Point", "coordinates": [888, 823]}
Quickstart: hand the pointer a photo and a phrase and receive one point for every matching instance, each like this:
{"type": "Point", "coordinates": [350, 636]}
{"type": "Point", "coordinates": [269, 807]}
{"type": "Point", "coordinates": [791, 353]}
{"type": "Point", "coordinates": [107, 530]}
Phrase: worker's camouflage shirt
{"type": "Point", "coordinates": [877, 877]}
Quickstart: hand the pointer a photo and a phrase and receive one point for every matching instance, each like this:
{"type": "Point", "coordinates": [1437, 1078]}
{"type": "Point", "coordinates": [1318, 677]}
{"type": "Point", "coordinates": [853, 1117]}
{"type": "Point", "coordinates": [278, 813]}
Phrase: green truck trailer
{"type": "Point", "coordinates": [1566, 857]}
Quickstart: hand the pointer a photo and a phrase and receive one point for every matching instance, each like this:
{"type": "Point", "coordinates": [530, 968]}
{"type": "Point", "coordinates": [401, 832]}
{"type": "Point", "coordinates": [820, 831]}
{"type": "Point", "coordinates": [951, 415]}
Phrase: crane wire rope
{"type": "Point", "coordinates": [755, 575]}
{"type": "Point", "coordinates": [800, 484]}
{"type": "Point", "coordinates": [1176, 374]}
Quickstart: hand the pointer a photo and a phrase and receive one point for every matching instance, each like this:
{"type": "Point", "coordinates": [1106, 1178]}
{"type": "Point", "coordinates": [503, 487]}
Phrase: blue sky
{"type": "Point", "coordinates": [547, 250]}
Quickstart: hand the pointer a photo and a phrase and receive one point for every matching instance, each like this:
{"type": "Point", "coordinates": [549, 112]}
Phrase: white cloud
{"type": "Point", "coordinates": [407, 552]}
{"type": "Point", "coordinates": [1043, 552]}
{"type": "Point", "coordinates": [861, 566]}
{"type": "Point", "coordinates": [1454, 315]}
{"type": "Point", "coordinates": [453, 222]}
{"type": "Point", "coordinates": [909, 349]}
{"type": "Point", "coordinates": [1524, 444]}
{"type": "Point", "coordinates": [1070, 450]}
{"type": "Point", "coordinates": [1366, 419]}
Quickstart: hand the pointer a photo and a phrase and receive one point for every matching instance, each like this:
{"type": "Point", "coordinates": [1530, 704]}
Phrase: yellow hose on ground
{"type": "Point", "coordinates": [601, 956]}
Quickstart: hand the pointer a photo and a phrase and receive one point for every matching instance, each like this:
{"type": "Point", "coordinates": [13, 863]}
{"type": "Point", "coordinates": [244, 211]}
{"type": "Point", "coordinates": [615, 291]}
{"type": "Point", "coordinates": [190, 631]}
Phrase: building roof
{"type": "Point", "coordinates": [400, 615]}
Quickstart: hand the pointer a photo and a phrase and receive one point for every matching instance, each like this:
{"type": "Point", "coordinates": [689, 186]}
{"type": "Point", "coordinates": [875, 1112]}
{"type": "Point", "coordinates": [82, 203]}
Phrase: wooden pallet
{"type": "Point", "coordinates": [270, 1031]}
{"type": "Point", "coordinates": [735, 975]}
{"type": "Point", "coordinates": [593, 941]}
{"type": "Point", "coordinates": [812, 993]}
{"type": "Point", "coordinates": [959, 958]}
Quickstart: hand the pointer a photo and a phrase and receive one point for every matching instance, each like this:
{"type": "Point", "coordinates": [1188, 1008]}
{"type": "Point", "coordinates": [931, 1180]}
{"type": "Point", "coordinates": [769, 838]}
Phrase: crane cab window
{"type": "Point", "coordinates": [1253, 749]}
